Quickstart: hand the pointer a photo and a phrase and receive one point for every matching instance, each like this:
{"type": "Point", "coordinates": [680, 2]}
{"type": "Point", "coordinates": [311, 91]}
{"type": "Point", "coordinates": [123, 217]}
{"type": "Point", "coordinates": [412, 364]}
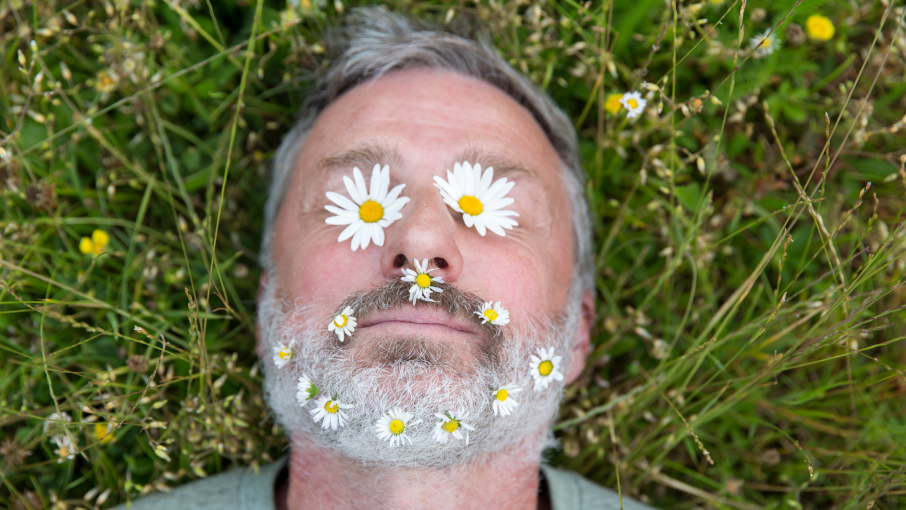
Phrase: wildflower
{"type": "Point", "coordinates": [282, 354]}
{"type": "Point", "coordinates": [819, 27]}
{"type": "Point", "coordinates": [106, 81]}
{"type": "Point", "coordinates": [95, 244]}
{"type": "Point", "coordinates": [306, 390]}
{"type": "Point", "coordinates": [469, 191]}
{"type": "Point", "coordinates": [764, 44]}
{"type": "Point", "coordinates": [496, 315]}
{"type": "Point", "coordinates": [613, 103]}
{"type": "Point", "coordinates": [545, 367]}
{"type": "Point", "coordinates": [451, 425]}
{"type": "Point", "coordinates": [103, 432]}
{"type": "Point", "coordinates": [422, 281]}
{"type": "Point", "coordinates": [65, 449]}
{"type": "Point", "coordinates": [393, 426]}
{"type": "Point", "coordinates": [343, 325]}
{"type": "Point", "coordinates": [55, 425]}
{"type": "Point", "coordinates": [634, 104]}
{"type": "Point", "coordinates": [503, 400]}
{"type": "Point", "coordinates": [367, 214]}
{"type": "Point", "coordinates": [330, 410]}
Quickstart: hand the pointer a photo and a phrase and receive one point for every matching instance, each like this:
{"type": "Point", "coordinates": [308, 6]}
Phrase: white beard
{"type": "Point", "coordinates": [417, 376]}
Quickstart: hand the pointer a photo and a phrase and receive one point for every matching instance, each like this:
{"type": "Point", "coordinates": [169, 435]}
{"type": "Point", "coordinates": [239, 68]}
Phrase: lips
{"type": "Point", "coordinates": [410, 316]}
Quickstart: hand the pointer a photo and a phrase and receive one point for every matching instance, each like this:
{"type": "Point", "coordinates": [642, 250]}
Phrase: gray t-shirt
{"type": "Point", "coordinates": [243, 489]}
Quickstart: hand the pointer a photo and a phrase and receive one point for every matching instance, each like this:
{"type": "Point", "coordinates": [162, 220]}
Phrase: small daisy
{"type": "Point", "coordinates": [422, 281]}
{"type": "Point", "coordinates": [343, 325]}
{"type": "Point", "coordinates": [54, 428]}
{"type": "Point", "coordinates": [451, 425]}
{"type": "Point", "coordinates": [469, 191]}
{"type": "Point", "coordinates": [545, 367]}
{"type": "Point", "coordinates": [331, 411]}
{"type": "Point", "coordinates": [393, 426]}
{"type": "Point", "coordinates": [307, 390]}
{"type": "Point", "coordinates": [282, 354]}
{"type": "Point", "coordinates": [496, 315]}
{"type": "Point", "coordinates": [764, 44]}
{"type": "Point", "coordinates": [634, 104]}
{"type": "Point", "coordinates": [503, 400]}
{"type": "Point", "coordinates": [367, 214]}
{"type": "Point", "coordinates": [66, 450]}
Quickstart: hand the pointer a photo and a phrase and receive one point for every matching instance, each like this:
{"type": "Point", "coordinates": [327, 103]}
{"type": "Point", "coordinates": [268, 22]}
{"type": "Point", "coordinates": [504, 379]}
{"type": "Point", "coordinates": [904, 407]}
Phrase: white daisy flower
{"type": "Point", "coordinates": [451, 425]}
{"type": "Point", "coordinates": [368, 213]}
{"type": "Point", "coordinates": [306, 390]}
{"type": "Point", "coordinates": [503, 399]}
{"type": "Point", "coordinates": [496, 315]}
{"type": "Point", "coordinates": [331, 411]}
{"type": "Point", "coordinates": [545, 368]}
{"type": "Point", "coordinates": [481, 203]}
{"type": "Point", "coordinates": [422, 281]}
{"type": "Point", "coordinates": [54, 428]}
{"type": "Point", "coordinates": [282, 354]}
{"type": "Point", "coordinates": [764, 44]}
{"type": "Point", "coordinates": [634, 104]}
{"type": "Point", "coordinates": [393, 426]}
{"type": "Point", "coordinates": [343, 325]}
{"type": "Point", "coordinates": [65, 449]}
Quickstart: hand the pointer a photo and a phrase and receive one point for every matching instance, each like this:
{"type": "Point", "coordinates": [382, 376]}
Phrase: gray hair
{"type": "Point", "coordinates": [375, 42]}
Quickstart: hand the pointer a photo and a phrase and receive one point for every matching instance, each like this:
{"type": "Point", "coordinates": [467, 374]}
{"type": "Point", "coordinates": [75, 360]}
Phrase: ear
{"type": "Point", "coordinates": [262, 284]}
{"type": "Point", "coordinates": [582, 343]}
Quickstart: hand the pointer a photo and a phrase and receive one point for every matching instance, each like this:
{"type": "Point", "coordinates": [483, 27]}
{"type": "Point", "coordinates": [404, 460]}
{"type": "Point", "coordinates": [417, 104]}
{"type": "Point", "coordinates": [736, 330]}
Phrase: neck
{"type": "Point", "coordinates": [321, 479]}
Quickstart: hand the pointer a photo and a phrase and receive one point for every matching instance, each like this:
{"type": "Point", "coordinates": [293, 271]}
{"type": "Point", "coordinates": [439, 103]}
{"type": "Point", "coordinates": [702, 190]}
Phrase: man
{"type": "Point", "coordinates": [428, 286]}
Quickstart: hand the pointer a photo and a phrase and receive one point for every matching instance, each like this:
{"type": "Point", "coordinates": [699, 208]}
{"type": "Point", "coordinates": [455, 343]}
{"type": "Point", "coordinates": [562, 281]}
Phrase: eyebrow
{"type": "Point", "coordinates": [364, 157]}
{"type": "Point", "coordinates": [502, 165]}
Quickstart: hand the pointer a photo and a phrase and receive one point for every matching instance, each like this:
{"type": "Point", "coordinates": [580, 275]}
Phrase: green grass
{"type": "Point", "coordinates": [748, 350]}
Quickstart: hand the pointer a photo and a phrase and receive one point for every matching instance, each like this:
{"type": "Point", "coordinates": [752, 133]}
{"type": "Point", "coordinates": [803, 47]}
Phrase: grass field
{"type": "Point", "coordinates": [751, 247]}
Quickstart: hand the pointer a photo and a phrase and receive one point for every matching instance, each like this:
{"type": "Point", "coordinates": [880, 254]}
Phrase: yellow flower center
{"type": "Point", "coordinates": [819, 27]}
{"type": "Point", "coordinates": [450, 426]}
{"type": "Point", "coordinates": [340, 321]}
{"type": "Point", "coordinates": [423, 280]}
{"type": "Point", "coordinates": [470, 205]}
{"type": "Point", "coordinates": [285, 353]}
{"type": "Point", "coordinates": [100, 431]}
{"type": "Point", "coordinates": [371, 212]}
{"type": "Point", "coordinates": [633, 104]}
{"type": "Point", "coordinates": [546, 367]}
{"type": "Point", "coordinates": [612, 104]}
{"type": "Point", "coordinates": [490, 314]}
{"type": "Point", "coordinates": [331, 407]}
{"type": "Point", "coordinates": [397, 427]}
{"type": "Point", "coordinates": [501, 395]}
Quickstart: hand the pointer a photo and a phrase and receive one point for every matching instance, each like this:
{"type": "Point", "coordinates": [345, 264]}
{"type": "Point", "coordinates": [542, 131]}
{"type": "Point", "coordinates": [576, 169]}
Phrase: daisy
{"type": "Point", "coordinates": [367, 214]}
{"type": "Point", "coordinates": [331, 411]}
{"type": "Point", "coordinates": [545, 367]}
{"type": "Point", "coordinates": [422, 281]}
{"type": "Point", "coordinates": [66, 450]}
{"type": "Point", "coordinates": [393, 425]}
{"type": "Point", "coordinates": [469, 191]}
{"type": "Point", "coordinates": [451, 425]}
{"type": "Point", "coordinates": [53, 426]}
{"type": "Point", "coordinates": [764, 44]}
{"type": "Point", "coordinates": [307, 390]}
{"type": "Point", "coordinates": [496, 315]}
{"type": "Point", "coordinates": [634, 104]}
{"type": "Point", "coordinates": [503, 400]}
{"type": "Point", "coordinates": [282, 354]}
{"type": "Point", "coordinates": [343, 325]}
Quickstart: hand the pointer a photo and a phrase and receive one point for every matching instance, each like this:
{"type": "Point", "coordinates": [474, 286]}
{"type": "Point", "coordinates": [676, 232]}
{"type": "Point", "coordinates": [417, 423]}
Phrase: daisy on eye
{"type": "Point", "coordinates": [496, 315]}
{"type": "Point", "coordinates": [343, 325]}
{"type": "Point", "coordinates": [422, 281]}
{"type": "Point", "coordinates": [545, 367]}
{"type": "Point", "coordinates": [451, 425]}
{"type": "Point", "coordinates": [469, 191]}
{"type": "Point", "coordinates": [282, 354]}
{"type": "Point", "coordinates": [393, 426]}
{"type": "Point", "coordinates": [370, 211]}
{"type": "Point", "coordinates": [306, 390]}
{"type": "Point", "coordinates": [503, 400]}
{"type": "Point", "coordinates": [330, 410]}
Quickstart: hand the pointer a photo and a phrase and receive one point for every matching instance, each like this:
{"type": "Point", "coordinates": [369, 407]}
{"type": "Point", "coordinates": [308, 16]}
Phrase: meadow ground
{"type": "Point", "coordinates": [750, 242]}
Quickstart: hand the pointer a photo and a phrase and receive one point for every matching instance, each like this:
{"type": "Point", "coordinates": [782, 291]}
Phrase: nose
{"type": "Point", "coordinates": [426, 231]}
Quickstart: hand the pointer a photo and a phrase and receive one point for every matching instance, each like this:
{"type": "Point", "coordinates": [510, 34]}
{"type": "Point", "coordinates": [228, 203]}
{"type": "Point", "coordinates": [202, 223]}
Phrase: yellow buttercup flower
{"type": "Point", "coordinates": [819, 27]}
{"type": "Point", "coordinates": [103, 432]}
{"type": "Point", "coordinates": [95, 244]}
{"type": "Point", "coordinates": [613, 104]}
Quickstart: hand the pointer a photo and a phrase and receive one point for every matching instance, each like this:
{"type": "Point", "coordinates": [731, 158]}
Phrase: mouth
{"type": "Point", "coordinates": [418, 321]}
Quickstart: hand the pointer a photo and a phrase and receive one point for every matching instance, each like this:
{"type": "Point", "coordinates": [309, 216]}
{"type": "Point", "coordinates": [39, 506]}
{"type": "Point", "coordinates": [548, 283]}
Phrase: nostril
{"type": "Point", "coordinates": [399, 261]}
{"type": "Point", "coordinates": [440, 262]}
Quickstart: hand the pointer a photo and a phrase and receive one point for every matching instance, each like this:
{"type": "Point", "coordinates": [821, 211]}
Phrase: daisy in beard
{"type": "Point", "coordinates": [496, 315]}
{"type": "Point", "coordinates": [306, 390]}
{"type": "Point", "coordinates": [331, 411]}
{"type": "Point", "coordinates": [282, 354]}
{"type": "Point", "coordinates": [343, 325]}
{"type": "Point", "coordinates": [469, 191]}
{"type": "Point", "coordinates": [545, 368]}
{"type": "Point", "coordinates": [422, 281]}
{"type": "Point", "coordinates": [451, 425]}
{"type": "Point", "coordinates": [503, 399]}
{"type": "Point", "coordinates": [370, 211]}
{"type": "Point", "coordinates": [393, 426]}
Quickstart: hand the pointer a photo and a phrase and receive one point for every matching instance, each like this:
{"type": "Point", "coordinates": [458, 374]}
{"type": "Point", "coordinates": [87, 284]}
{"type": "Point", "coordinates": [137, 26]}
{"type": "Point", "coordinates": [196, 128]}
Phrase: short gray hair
{"type": "Point", "coordinates": [374, 42]}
